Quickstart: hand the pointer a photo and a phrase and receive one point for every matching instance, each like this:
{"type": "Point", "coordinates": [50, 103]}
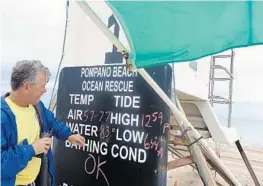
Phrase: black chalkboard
{"type": "Point", "coordinates": [125, 124]}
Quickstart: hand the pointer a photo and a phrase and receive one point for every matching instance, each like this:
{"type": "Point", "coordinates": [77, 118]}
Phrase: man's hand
{"type": "Point", "coordinates": [77, 139]}
{"type": "Point", "coordinates": [42, 145]}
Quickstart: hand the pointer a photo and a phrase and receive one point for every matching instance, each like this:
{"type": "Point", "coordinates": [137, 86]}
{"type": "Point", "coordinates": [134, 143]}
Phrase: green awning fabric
{"type": "Point", "coordinates": [161, 32]}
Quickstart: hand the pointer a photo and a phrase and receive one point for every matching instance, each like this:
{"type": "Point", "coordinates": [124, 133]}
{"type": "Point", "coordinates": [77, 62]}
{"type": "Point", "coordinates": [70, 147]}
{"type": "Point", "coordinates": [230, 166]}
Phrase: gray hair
{"type": "Point", "coordinates": [26, 71]}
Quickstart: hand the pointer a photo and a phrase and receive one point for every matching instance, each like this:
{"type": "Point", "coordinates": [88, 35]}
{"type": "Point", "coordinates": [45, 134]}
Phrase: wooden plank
{"type": "Point", "coordinates": [180, 162]}
{"type": "Point", "coordinates": [198, 157]}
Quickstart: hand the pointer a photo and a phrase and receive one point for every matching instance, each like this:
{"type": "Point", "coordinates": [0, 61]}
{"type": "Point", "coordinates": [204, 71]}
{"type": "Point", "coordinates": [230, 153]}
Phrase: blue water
{"type": "Point", "coordinates": [247, 117]}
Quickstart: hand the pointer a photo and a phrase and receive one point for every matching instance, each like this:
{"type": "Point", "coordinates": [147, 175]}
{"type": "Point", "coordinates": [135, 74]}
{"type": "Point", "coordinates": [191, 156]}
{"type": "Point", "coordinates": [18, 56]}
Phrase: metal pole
{"type": "Point", "coordinates": [93, 16]}
{"type": "Point", "coordinates": [243, 155]}
{"type": "Point", "coordinates": [86, 8]}
{"type": "Point", "coordinates": [231, 89]}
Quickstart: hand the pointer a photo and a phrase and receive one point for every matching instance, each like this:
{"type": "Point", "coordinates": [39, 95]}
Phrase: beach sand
{"type": "Point", "coordinates": [186, 176]}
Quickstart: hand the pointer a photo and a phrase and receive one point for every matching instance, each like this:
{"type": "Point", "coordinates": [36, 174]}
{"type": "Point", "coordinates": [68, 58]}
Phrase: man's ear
{"type": "Point", "coordinates": [26, 86]}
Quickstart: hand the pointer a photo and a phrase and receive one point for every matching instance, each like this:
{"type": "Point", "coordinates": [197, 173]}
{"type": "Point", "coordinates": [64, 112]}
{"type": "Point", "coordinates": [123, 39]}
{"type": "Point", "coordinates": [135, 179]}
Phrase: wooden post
{"type": "Point", "coordinates": [198, 157]}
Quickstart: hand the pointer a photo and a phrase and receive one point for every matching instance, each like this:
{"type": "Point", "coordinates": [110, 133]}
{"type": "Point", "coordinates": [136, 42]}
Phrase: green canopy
{"type": "Point", "coordinates": [161, 32]}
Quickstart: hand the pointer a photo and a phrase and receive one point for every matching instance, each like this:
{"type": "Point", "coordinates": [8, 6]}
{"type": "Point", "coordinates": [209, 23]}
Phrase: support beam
{"type": "Point", "coordinates": [249, 167]}
{"type": "Point", "coordinates": [93, 16]}
{"type": "Point", "coordinates": [196, 152]}
{"type": "Point", "coordinates": [180, 162]}
{"type": "Point", "coordinates": [86, 8]}
{"type": "Point", "coordinates": [212, 155]}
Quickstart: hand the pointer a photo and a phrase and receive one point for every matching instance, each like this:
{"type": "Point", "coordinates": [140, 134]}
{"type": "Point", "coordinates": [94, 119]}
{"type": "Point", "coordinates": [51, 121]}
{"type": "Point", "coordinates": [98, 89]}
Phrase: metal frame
{"type": "Point", "coordinates": [211, 154]}
{"type": "Point", "coordinates": [221, 100]}
{"type": "Point", "coordinates": [213, 79]}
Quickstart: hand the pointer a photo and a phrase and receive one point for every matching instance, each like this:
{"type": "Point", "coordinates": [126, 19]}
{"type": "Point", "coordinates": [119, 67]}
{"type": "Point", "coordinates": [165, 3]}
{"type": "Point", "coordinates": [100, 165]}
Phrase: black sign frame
{"type": "Point", "coordinates": [79, 167]}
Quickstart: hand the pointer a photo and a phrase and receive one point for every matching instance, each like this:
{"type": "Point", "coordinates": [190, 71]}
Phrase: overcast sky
{"type": "Point", "coordinates": [33, 29]}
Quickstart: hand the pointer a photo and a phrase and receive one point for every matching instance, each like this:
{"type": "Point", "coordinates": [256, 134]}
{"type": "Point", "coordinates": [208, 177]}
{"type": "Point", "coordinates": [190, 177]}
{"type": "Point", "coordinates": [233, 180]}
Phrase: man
{"type": "Point", "coordinates": [20, 127]}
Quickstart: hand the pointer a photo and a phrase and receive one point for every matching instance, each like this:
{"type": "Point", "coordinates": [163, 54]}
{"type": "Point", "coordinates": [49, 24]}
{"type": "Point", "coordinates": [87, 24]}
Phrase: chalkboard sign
{"type": "Point", "coordinates": [125, 124]}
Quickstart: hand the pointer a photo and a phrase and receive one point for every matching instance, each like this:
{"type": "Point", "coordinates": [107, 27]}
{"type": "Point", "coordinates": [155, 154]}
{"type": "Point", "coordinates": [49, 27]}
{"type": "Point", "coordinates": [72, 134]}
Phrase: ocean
{"type": "Point", "coordinates": [247, 117]}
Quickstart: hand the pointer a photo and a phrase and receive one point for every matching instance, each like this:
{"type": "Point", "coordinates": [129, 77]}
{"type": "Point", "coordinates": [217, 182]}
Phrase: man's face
{"type": "Point", "coordinates": [34, 92]}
